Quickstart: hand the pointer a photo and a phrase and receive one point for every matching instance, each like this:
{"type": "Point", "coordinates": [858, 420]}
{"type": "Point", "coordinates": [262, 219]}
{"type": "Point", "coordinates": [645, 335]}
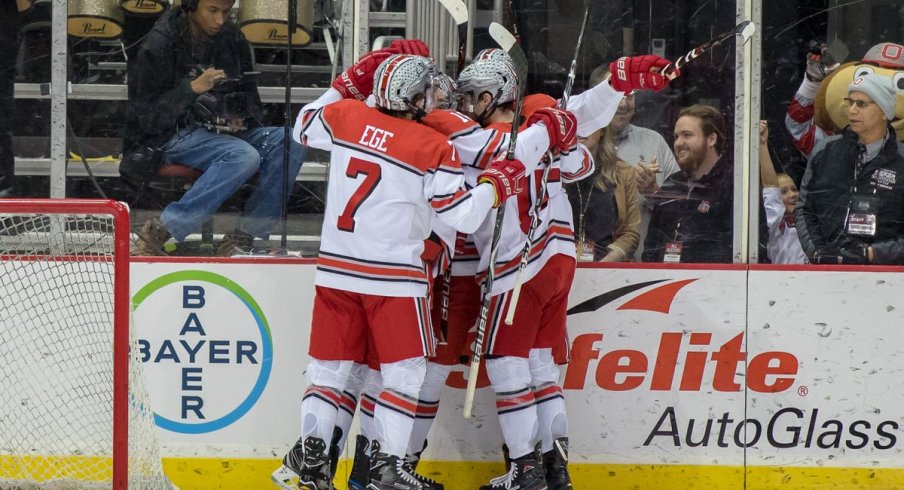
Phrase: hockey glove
{"type": "Point", "coordinates": [637, 73]}
{"type": "Point", "coordinates": [433, 248]}
{"type": "Point", "coordinates": [358, 80]}
{"type": "Point", "coordinates": [561, 125]}
{"type": "Point", "coordinates": [506, 176]}
{"type": "Point", "coordinates": [820, 63]}
{"type": "Point", "coordinates": [411, 46]}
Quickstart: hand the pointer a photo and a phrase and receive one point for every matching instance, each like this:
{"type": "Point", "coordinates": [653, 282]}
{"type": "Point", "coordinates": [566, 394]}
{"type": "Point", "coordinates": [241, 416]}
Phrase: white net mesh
{"type": "Point", "coordinates": [56, 353]}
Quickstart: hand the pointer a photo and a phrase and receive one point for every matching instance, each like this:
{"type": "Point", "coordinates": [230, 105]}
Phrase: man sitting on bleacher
{"type": "Point", "coordinates": [193, 101]}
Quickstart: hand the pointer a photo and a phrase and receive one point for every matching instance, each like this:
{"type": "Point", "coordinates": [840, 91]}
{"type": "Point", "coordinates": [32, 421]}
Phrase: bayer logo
{"type": "Point", "coordinates": [206, 349]}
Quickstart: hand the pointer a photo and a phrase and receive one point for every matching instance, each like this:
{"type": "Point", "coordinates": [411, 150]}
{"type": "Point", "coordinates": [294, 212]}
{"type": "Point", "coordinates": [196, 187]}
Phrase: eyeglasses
{"type": "Point", "coordinates": [861, 104]}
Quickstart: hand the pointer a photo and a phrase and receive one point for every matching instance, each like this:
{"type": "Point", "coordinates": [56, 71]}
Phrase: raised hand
{"type": "Point", "coordinates": [639, 73]}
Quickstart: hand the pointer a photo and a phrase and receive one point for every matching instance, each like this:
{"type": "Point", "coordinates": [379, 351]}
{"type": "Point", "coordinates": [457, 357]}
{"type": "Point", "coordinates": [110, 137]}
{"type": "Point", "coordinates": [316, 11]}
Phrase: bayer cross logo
{"type": "Point", "coordinates": [206, 348]}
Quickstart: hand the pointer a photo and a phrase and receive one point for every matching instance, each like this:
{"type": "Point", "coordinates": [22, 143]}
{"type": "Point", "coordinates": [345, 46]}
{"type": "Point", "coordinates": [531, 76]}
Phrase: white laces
{"type": "Point", "coordinates": [505, 481]}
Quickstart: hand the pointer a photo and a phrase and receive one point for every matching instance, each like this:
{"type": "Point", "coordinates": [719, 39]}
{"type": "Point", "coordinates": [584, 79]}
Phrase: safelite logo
{"type": "Point", "coordinates": [682, 360]}
{"type": "Point", "coordinates": [204, 335]}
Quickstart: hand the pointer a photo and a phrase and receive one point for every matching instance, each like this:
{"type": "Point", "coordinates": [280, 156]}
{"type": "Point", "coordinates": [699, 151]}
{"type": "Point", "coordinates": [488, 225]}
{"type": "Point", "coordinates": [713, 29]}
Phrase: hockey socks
{"type": "Point", "coordinates": [515, 404]}
{"type": "Point", "coordinates": [427, 406]}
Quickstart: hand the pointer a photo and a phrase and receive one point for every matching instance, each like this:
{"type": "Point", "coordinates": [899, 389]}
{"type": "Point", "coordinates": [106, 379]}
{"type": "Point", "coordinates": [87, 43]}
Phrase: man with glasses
{"type": "Point", "coordinates": [851, 204]}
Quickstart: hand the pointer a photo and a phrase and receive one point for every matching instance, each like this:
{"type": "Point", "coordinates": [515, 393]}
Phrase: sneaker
{"type": "Point", "coordinates": [235, 243]}
{"type": "Point", "coordinates": [555, 465]}
{"type": "Point", "coordinates": [389, 472]}
{"type": "Point", "coordinates": [152, 238]}
{"type": "Point", "coordinates": [360, 474]}
{"type": "Point", "coordinates": [525, 473]}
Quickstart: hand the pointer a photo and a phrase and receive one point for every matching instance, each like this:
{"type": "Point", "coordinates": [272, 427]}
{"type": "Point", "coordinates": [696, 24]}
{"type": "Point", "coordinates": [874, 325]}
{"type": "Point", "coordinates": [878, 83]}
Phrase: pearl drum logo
{"type": "Point", "coordinates": [206, 347]}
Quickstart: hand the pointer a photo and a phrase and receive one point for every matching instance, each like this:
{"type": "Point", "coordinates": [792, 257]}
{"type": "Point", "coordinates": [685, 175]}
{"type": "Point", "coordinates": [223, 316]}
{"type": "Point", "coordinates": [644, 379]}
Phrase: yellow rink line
{"type": "Point", "coordinates": [228, 474]}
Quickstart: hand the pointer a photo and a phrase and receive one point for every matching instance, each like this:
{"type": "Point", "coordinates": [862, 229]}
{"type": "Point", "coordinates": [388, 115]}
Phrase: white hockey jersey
{"type": "Point", "coordinates": [389, 178]}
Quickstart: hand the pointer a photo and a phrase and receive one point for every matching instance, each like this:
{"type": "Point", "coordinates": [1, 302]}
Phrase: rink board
{"type": "Point", "coordinates": [707, 376]}
{"type": "Point", "coordinates": [659, 386]}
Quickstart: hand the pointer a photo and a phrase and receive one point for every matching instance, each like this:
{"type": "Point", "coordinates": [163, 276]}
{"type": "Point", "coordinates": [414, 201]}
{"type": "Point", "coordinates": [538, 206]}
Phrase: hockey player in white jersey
{"type": "Point", "coordinates": [389, 178]}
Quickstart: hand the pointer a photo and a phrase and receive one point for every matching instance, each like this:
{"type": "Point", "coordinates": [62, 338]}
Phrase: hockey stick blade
{"type": "Point", "coordinates": [459, 12]}
{"type": "Point", "coordinates": [744, 29]}
{"type": "Point", "coordinates": [506, 40]}
{"type": "Point", "coordinates": [457, 9]}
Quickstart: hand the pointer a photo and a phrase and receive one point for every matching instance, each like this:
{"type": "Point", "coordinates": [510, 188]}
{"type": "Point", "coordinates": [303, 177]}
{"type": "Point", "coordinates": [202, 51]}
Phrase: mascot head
{"type": "Point", "coordinates": [886, 59]}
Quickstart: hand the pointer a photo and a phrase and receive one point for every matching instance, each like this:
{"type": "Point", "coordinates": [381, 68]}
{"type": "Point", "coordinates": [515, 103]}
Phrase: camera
{"type": "Point", "coordinates": [219, 108]}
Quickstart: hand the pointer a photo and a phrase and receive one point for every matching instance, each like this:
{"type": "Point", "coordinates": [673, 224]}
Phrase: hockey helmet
{"type": "Point", "coordinates": [493, 54]}
{"type": "Point", "coordinates": [444, 89]}
{"type": "Point", "coordinates": [403, 80]}
{"type": "Point", "coordinates": [494, 76]}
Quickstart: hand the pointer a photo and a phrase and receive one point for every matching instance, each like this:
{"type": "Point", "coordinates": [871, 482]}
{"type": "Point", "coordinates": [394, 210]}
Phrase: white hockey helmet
{"type": "Point", "coordinates": [444, 89]}
{"type": "Point", "coordinates": [488, 75]}
{"type": "Point", "coordinates": [401, 81]}
{"type": "Point", "coordinates": [493, 54]}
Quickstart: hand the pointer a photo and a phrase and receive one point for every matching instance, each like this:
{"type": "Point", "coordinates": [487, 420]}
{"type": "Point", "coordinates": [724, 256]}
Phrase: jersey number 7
{"type": "Point", "coordinates": [372, 174]}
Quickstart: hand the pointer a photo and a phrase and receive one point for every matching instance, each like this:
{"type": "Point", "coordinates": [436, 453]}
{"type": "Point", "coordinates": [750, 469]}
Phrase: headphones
{"type": "Point", "coordinates": [189, 5]}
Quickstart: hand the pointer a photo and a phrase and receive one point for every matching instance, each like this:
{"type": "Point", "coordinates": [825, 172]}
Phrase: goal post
{"type": "Point", "coordinates": [75, 412]}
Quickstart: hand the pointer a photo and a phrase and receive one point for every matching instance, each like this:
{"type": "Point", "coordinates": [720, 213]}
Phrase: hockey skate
{"type": "Point", "coordinates": [291, 467]}
{"type": "Point", "coordinates": [314, 471]}
{"type": "Point", "coordinates": [525, 473]}
{"type": "Point", "coordinates": [360, 474]}
{"type": "Point", "coordinates": [555, 465]}
{"type": "Point", "coordinates": [388, 472]}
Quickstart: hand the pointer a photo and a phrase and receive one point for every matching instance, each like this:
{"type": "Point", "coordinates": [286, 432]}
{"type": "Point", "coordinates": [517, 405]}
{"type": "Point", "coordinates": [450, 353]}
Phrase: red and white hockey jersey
{"type": "Point", "coordinates": [389, 179]}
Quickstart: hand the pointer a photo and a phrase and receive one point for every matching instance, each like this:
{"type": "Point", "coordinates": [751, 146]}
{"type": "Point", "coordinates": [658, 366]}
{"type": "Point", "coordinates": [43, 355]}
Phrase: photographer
{"type": "Point", "coordinates": [193, 101]}
{"type": "Point", "coordinates": [851, 204]}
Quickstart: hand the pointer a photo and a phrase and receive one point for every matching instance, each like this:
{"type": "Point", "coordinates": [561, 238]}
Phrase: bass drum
{"type": "Point", "coordinates": [264, 22]}
{"type": "Point", "coordinates": [144, 7]}
{"type": "Point", "coordinates": [99, 19]}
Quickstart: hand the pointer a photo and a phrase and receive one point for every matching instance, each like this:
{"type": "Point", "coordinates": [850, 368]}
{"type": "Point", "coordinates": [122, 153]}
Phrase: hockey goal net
{"type": "Point", "coordinates": [74, 411]}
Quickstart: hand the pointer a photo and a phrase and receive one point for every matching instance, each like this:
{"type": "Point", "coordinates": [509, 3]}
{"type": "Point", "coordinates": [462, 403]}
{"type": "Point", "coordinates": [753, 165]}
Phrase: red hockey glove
{"type": "Point", "coordinates": [561, 125]}
{"type": "Point", "coordinates": [507, 177]}
{"type": "Point", "coordinates": [636, 73]}
{"type": "Point", "coordinates": [358, 80]}
{"type": "Point", "coordinates": [411, 46]}
{"type": "Point", "coordinates": [433, 248]}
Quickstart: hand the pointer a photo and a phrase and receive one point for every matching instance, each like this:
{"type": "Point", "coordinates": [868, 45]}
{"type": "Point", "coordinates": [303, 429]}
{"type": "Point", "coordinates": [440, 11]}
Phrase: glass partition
{"type": "Point", "coordinates": [682, 165]}
{"type": "Point", "coordinates": [25, 63]}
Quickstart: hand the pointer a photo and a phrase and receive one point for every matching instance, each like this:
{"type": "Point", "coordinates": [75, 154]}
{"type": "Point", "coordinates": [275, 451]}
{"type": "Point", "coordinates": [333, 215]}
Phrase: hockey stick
{"type": "Point", "coordinates": [507, 41]}
{"type": "Point", "coordinates": [745, 29]}
{"type": "Point", "coordinates": [541, 193]}
{"type": "Point", "coordinates": [459, 12]}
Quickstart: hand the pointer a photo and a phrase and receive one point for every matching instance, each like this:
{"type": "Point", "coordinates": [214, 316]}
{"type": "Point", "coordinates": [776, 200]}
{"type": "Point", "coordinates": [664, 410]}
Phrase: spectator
{"type": "Point", "coordinates": [605, 209]}
{"type": "Point", "coordinates": [643, 149]}
{"type": "Point", "coordinates": [851, 206]}
{"type": "Point", "coordinates": [692, 212]}
{"type": "Point", "coordinates": [9, 41]}
{"type": "Point", "coordinates": [779, 197]}
{"type": "Point", "coordinates": [191, 94]}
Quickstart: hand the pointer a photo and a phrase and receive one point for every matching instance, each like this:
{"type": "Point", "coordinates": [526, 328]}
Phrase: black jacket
{"type": "Point", "coordinates": [160, 95]}
{"type": "Point", "coordinates": [828, 186]}
{"type": "Point", "coordinates": [696, 213]}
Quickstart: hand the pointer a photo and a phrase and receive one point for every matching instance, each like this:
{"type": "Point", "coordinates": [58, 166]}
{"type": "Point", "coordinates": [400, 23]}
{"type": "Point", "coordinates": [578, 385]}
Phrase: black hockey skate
{"type": "Point", "coordinates": [555, 465]}
{"type": "Point", "coordinates": [388, 472]}
{"type": "Point", "coordinates": [360, 474]}
{"type": "Point", "coordinates": [525, 473]}
{"type": "Point", "coordinates": [314, 473]}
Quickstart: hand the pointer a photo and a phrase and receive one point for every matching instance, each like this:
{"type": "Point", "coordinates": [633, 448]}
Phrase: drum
{"type": "Point", "coordinates": [24, 5]}
{"type": "Point", "coordinates": [264, 22]}
{"type": "Point", "coordinates": [100, 19]}
{"type": "Point", "coordinates": [144, 7]}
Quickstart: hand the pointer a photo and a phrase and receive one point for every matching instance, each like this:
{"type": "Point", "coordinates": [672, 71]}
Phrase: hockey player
{"type": "Point", "coordinates": [594, 109]}
{"type": "Point", "coordinates": [388, 175]}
